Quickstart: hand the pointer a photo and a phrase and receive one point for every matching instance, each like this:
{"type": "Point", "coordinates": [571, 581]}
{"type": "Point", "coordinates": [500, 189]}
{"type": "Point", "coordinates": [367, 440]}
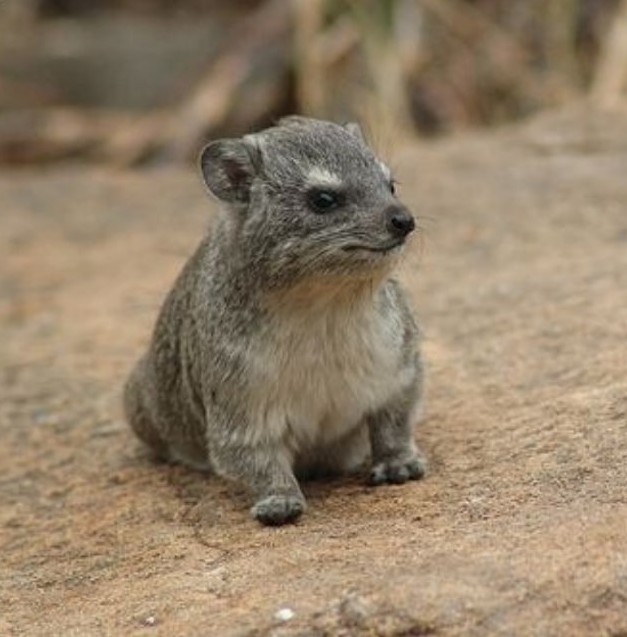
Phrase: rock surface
{"type": "Point", "coordinates": [520, 527]}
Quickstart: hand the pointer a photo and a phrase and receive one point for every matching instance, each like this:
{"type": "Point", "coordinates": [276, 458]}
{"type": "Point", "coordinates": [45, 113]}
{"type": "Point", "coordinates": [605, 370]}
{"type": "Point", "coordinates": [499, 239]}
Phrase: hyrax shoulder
{"type": "Point", "coordinates": [285, 344]}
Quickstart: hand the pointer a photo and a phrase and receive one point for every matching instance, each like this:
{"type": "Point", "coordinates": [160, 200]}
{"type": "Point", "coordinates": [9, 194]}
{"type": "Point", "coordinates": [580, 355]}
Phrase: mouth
{"type": "Point", "coordinates": [384, 249]}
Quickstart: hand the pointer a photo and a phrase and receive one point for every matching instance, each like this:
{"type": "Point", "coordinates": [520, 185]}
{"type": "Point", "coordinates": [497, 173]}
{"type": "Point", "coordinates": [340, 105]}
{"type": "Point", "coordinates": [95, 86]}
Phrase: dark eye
{"type": "Point", "coordinates": [393, 186]}
{"type": "Point", "coordinates": [323, 200]}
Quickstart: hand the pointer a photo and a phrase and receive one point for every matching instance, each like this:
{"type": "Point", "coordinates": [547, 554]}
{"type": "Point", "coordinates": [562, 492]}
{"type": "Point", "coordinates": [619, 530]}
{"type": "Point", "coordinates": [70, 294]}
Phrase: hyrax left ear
{"type": "Point", "coordinates": [228, 168]}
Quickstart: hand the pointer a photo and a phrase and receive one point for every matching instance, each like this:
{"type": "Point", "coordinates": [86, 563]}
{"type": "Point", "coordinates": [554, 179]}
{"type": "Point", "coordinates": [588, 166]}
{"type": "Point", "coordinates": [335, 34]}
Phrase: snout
{"type": "Point", "coordinates": [399, 221]}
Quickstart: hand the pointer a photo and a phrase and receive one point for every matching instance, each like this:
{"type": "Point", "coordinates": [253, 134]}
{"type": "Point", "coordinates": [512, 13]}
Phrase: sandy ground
{"type": "Point", "coordinates": [519, 528]}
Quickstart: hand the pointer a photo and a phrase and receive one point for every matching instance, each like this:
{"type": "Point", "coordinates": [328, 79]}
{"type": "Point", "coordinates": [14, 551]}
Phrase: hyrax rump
{"type": "Point", "coordinates": [285, 348]}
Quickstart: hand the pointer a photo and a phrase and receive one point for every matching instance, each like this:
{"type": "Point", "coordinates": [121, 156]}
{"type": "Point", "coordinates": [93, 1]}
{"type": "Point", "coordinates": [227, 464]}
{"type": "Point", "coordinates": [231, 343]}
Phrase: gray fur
{"type": "Point", "coordinates": [285, 348]}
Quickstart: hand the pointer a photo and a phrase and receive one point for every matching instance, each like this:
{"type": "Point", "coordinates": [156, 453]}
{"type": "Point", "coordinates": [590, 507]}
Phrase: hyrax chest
{"type": "Point", "coordinates": [316, 376]}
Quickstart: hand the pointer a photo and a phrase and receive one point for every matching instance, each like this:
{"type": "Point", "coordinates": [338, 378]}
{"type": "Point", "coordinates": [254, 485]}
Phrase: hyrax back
{"type": "Point", "coordinates": [284, 347]}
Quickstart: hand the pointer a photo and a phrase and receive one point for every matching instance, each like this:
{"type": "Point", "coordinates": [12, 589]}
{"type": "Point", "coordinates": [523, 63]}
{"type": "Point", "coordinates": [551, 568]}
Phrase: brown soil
{"type": "Point", "coordinates": [519, 528]}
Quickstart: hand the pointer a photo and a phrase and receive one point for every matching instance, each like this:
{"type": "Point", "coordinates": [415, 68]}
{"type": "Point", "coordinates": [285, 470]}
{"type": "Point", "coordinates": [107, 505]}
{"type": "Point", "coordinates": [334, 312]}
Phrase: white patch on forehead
{"type": "Point", "coordinates": [385, 169]}
{"type": "Point", "coordinates": [317, 176]}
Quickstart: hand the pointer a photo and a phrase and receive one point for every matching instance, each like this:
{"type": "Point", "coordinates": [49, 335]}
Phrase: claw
{"type": "Point", "coordinates": [276, 510]}
{"type": "Point", "coordinates": [395, 472]}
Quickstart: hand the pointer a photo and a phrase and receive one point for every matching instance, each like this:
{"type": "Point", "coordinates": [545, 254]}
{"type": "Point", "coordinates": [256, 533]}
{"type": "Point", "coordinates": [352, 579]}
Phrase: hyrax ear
{"type": "Point", "coordinates": [355, 129]}
{"type": "Point", "coordinates": [296, 120]}
{"type": "Point", "coordinates": [229, 167]}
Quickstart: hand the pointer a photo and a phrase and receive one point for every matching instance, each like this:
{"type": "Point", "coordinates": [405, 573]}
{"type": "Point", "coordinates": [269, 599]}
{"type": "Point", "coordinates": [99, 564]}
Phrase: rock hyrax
{"type": "Point", "coordinates": [285, 348]}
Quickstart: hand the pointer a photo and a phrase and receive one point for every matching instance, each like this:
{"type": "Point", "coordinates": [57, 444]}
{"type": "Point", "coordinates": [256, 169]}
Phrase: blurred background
{"type": "Point", "coordinates": [134, 82]}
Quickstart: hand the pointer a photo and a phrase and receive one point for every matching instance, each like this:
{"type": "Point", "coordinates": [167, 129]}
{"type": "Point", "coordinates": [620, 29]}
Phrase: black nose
{"type": "Point", "coordinates": [400, 223]}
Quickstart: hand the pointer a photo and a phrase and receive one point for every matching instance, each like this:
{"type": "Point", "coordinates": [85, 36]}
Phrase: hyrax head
{"type": "Point", "coordinates": [308, 198]}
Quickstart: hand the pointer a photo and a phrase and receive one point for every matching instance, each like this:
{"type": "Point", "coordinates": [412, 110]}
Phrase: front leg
{"type": "Point", "coordinates": [394, 454]}
{"type": "Point", "coordinates": [265, 469]}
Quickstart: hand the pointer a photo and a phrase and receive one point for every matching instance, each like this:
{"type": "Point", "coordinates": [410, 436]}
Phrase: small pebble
{"type": "Point", "coordinates": [284, 614]}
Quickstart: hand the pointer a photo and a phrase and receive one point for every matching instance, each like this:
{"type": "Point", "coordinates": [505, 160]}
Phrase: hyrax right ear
{"type": "Point", "coordinates": [355, 130]}
{"type": "Point", "coordinates": [228, 169]}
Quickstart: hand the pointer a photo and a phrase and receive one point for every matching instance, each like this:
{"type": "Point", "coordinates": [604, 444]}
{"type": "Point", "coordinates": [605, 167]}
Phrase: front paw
{"type": "Point", "coordinates": [275, 510]}
{"type": "Point", "coordinates": [396, 471]}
